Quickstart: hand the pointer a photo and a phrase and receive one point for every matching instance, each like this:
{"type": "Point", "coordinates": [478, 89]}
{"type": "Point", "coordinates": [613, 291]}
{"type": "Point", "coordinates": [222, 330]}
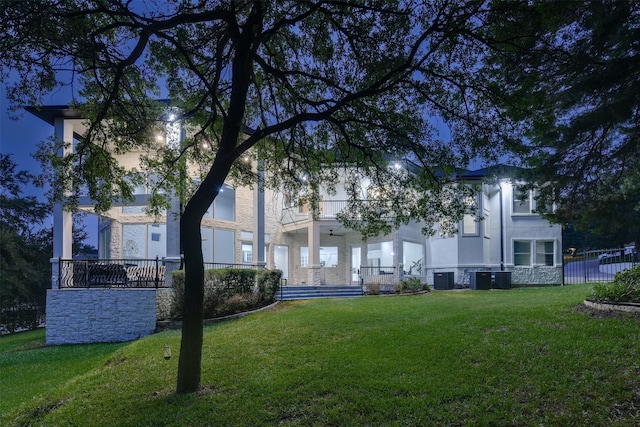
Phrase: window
{"type": "Point", "coordinates": [523, 201]}
{"type": "Point", "coordinates": [469, 225]}
{"type": "Point", "coordinates": [328, 256]}
{"type": "Point", "coordinates": [144, 241]}
{"type": "Point", "coordinates": [133, 209]}
{"type": "Point", "coordinates": [380, 254]}
{"type": "Point", "coordinates": [247, 253]}
{"type": "Point", "coordinates": [522, 252]}
{"type": "Point", "coordinates": [224, 246]}
{"type": "Point", "coordinates": [224, 205]}
{"type": "Point", "coordinates": [469, 220]}
{"type": "Point", "coordinates": [218, 245]}
{"type": "Point", "coordinates": [544, 253]}
{"type": "Point", "coordinates": [412, 256]}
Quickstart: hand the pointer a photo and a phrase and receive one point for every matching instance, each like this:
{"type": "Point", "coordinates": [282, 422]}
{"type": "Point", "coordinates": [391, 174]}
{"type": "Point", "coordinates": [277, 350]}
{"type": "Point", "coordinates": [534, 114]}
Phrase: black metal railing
{"type": "Point", "coordinates": [378, 275]}
{"type": "Point", "coordinates": [111, 273]}
{"type": "Point", "coordinates": [327, 209]}
{"type": "Point", "coordinates": [598, 266]}
{"type": "Point", "coordinates": [221, 265]}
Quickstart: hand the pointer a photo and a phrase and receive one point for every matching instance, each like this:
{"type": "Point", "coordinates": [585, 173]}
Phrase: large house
{"type": "Point", "coordinates": [505, 234]}
{"type": "Point", "coordinates": [247, 226]}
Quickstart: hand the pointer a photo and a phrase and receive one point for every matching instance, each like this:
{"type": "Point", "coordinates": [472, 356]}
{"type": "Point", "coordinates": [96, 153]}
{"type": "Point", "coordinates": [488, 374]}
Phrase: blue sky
{"type": "Point", "coordinates": [20, 138]}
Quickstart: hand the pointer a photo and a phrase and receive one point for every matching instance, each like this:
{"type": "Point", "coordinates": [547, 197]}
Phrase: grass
{"type": "Point", "coordinates": [520, 357]}
{"type": "Point", "coordinates": [28, 368]}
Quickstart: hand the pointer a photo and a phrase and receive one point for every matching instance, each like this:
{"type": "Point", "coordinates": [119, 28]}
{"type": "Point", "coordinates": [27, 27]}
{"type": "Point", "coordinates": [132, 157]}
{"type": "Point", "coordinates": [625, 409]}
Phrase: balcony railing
{"type": "Point", "coordinates": [122, 273]}
{"type": "Point", "coordinates": [220, 265]}
{"type": "Point", "coordinates": [326, 210]}
{"type": "Point", "coordinates": [111, 273]}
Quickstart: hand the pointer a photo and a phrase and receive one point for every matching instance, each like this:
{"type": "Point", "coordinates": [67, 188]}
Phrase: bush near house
{"type": "Point", "coordinates": [230, 290]}
{"type": "Point", "coordinates": [411, 285]}
{"type": "Point", "coordinates": [624, 288]}
{"type": "Point", "coordinates": [407, 286]}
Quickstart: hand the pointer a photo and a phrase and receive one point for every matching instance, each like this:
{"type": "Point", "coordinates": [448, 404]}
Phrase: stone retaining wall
{"type": "Point", "coordinates": [77, 316]}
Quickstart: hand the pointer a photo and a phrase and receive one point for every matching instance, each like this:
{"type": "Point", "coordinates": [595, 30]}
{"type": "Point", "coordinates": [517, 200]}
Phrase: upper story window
{"type": "Point", "coordinates": [524, 201]}
{"type": "Point", "coordinates": [224, 205]}
{"type": "Point", "coordinates": [470, 224]}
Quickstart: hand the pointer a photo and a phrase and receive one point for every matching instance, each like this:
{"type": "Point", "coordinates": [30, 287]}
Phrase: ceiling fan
{"type": "Point", "coordinates": [335, 235]}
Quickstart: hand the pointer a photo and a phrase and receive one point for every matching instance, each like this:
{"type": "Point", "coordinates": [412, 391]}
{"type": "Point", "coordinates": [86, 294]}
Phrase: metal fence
{"type": "Point", "coordinates": [111, 273]}
{"type": "Point", "coordinates": [598, 266]}
{"type": "Point", "coordinates": [221, 265]}
{"type": "Point", "coordinates": [378, 275]}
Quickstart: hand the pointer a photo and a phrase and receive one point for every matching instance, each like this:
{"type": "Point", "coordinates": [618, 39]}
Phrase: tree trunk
{"type": "Point", "coordinates": [189, 365]}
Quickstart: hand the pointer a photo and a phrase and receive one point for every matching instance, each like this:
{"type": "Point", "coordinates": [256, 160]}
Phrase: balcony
{"type": "Point", "coordinates": [327, 210]}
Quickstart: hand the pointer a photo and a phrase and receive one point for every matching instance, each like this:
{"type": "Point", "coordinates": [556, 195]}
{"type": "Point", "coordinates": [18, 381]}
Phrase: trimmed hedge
{"type": "Point", "coordinates": [230, 290]}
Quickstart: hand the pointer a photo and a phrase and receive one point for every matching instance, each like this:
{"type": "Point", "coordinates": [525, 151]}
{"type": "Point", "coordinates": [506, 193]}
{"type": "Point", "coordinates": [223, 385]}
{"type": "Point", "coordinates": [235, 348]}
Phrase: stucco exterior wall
{"type": "Point", "coordinates": [76, 316]}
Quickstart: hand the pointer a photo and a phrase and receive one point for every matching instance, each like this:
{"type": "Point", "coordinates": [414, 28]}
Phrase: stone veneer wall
{"type": "Point", "coordinates": [164, 301]}
{"type": "Point", "coordinates": [538, 275]}
{"type": "Point", "coordinates": [77, 316]}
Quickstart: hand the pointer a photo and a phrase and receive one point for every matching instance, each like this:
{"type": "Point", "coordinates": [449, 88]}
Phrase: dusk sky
{"type": "Point", "coordinates": [21, 137]}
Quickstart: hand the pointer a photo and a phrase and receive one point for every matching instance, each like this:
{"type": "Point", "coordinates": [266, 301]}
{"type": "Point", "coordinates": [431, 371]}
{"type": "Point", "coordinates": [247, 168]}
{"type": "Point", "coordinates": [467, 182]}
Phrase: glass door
{"type": "Point", "coordinates": [281, 258]}
{"type": "Point", "coordinates": [355, 265]}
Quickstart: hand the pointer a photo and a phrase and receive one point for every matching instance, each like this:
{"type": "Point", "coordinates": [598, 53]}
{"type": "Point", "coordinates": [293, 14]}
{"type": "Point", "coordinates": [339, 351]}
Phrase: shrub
{"type": "Point", "coordinates": [372, 288]}
{"type": "Point", "coordinates": [269, 284]}
{"type": "Point", "coordinates": [624, 288]}
{"type": "Point", "coordinates": [222, 285]}
{"type": "Point", "coordinates": [412, 285]}
{"type": "Point", "coordinates": [235, 304]}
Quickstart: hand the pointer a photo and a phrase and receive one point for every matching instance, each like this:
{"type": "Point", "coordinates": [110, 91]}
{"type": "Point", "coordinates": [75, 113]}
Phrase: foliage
{"type": "Point", "coordinates": [295, 85]}
{"type": "Point", "coordinates": [412, 285]}
{"type": "Point", "coordinates": [24, 250]}
{"type": "Point", "coordinates": [624, 288]}
{"type": "Point", "coordinates": [571, 78]}
{"type": "Point", "coordinates": [269, 283]}
{"type": "Point", "coordinates": [229, 291]}
{"type": "Point", "coordinates": [372, 288]}
{"type": "Point", "coordinates": [520, 357]}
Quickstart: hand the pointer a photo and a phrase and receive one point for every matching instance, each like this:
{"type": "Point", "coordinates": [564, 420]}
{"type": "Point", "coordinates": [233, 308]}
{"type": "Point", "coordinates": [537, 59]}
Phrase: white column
{"type": "Point", "coordinates": [313, 240]}
{"type": "Point", "coordinates": [62, 218]}
{"type": "Point", "coordinates": [258, 209]}
{"type": "Point", "coordinates": [175, 134]}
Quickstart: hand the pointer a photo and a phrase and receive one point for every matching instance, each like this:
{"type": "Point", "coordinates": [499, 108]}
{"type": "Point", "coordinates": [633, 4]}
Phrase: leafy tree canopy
{"type": "Point", "coordinates": [571, 75]}
{"type": "Point", "coordinates": [358, 84]}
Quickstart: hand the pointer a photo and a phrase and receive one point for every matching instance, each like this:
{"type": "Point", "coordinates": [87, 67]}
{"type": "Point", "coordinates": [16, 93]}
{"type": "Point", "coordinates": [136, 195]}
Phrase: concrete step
{"type": "Point", "coordinates": [290, 293]}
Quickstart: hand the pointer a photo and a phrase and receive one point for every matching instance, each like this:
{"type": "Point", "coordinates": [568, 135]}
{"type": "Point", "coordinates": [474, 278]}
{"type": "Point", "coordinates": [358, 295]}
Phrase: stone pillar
{"type": "Point", "coordinates": [171, 264]}
{"type": "Point", "coordinates": [314, 267]}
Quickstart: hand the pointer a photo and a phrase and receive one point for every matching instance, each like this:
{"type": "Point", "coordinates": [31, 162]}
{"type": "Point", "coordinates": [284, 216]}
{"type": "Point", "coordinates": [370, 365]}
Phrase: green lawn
{"type": "Point", "coordinates": [517, 357]}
